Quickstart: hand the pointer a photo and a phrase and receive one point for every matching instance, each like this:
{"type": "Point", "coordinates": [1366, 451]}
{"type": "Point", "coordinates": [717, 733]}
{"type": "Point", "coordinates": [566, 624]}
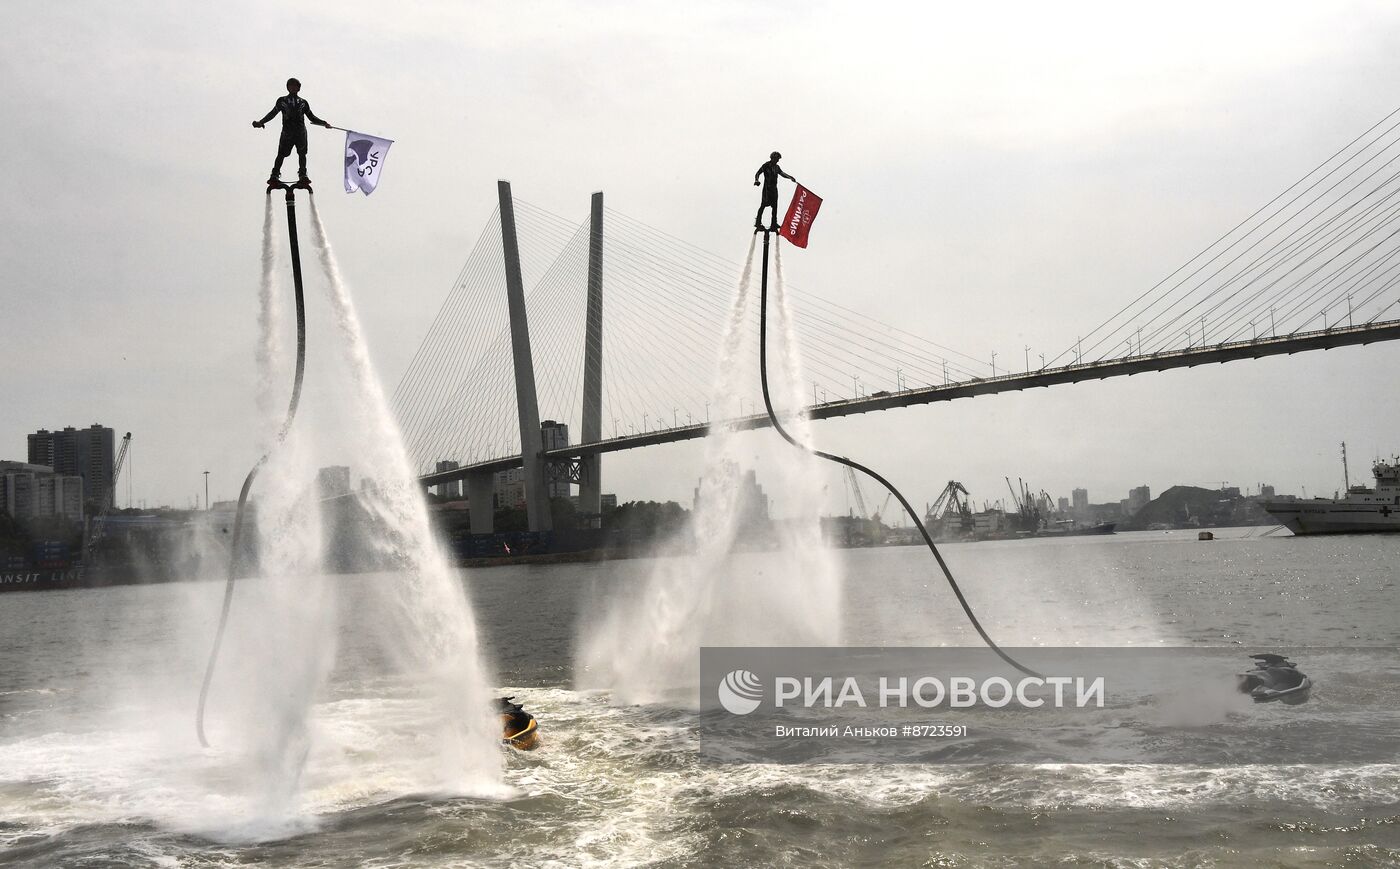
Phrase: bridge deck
{"type": "Point", "coordinates": [1324, 339]}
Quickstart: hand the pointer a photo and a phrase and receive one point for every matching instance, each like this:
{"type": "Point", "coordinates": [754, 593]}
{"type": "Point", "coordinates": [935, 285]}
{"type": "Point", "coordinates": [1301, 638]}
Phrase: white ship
{"type": "Point", "coordinates": [1362, 510]}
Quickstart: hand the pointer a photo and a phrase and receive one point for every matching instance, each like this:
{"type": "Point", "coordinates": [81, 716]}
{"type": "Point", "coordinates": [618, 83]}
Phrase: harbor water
{"type": "Point", "coordinates": [99, 765]}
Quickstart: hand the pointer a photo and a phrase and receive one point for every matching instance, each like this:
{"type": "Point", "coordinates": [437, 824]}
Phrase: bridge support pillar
{"type": "Point", "coordinates": [531, 443]}
{"type": "Point", "coordinates": [590, 486]}
{"type": "Point", "coordinates": [481, 501]}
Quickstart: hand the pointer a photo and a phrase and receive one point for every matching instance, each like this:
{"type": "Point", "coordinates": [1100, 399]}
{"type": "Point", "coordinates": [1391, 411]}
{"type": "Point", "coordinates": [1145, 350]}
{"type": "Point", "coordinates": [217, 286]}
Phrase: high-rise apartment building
{"type": "Point", "coordinates": [555, 435]}
{"type": "Point", "coordinates": [29, 491]}
{"type": "Point", "coordinates": [1137, 499]}
{"type": "Point", "coordinates": [449, 491]}
{"type": "Point", "coordinates": [333, 481]}
{"type": "Point", "coordinates": [89, 453]}
{"type": "Point", "coordinates": [1080, 498]}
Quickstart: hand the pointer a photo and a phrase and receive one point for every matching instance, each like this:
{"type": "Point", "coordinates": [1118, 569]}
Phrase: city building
{"type": "Point", "coordinates": [449, 491]}
{"type": "Point", "coordinates": [607, 501]}
{"type": "Point", "coordinates": [988, 522]}
{"type": "Point", "coordinates": [30, 491]}
{"type": "Point", "coordinates": [1064, 506]}
{"type": "Point", "coordinates": [1110, 512]}
{"type": "Point", "coordinates": [1266, 491]}
{"type": "Point", "coordinates": [1137, 499]}
{"type": "Point", "coordinates": [88, 453]}
{"type": "Point", "coordinates": [508, 487]}
{"type": "Point", "coordinates": [750, 504]}
{"type": "Point", "coordinates": [554, 435]}
{"type": "Point", "coordinates": [1080, 502]}
{"type": "Point", "coordinates": [333, 481]}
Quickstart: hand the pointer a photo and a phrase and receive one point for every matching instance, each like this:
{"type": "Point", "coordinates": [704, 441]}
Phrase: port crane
{"type": "Point", "coordinates": [1015, 498]}
{"type": "Point", "coordinates": [855, 488]}
{"type": "Point", "coordinates": [954, 499]}
{"type": "Point", "coordinates": [1025, 505]}
{"type": "Point", "coordinates": [865, 512]}
{"type": "Point", "coordinates": [99, 522]}
{"type": "Point", "coordinates": [875, 517]}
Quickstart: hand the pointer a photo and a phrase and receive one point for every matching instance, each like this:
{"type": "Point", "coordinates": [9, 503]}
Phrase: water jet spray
{"type": "Point", "coordinates": [289, 190]}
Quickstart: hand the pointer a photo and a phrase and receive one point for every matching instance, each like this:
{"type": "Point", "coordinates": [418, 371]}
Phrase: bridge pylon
{"type": "Point", "coordinates": [531, 443]}
{"type": "Point", "coordinates": [590, 485]}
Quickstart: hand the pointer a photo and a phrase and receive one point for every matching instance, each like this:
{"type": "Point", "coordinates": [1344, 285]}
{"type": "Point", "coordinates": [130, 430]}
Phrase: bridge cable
{"type": "Point", "coordinates": [1280, 250]}
{"type": "Point", "coordinates": [1245, 222]}
{"type": "Point", "coordinates": [1281, 296]}
{"type": "Point", "coordinates": [1275, 257]}
{"type": "Point", "coordinates": [842, 460]}
{"type": "Point", "coordinates": [726, 267]}
{"type": "Point", "coordinates": [714, 287]}
{"type": "Point", "coordinates": [1329, 233]}
{"type": "Point", "coordinates": [1247, 310]}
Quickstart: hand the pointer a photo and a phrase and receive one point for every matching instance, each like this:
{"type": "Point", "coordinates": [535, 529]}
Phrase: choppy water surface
{"type": "Point", "coordinates": [99, 765]}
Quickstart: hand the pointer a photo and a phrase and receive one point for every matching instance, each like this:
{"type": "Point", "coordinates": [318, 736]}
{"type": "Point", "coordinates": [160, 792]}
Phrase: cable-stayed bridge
{"type": "Point", "coordinates": [619, 334]}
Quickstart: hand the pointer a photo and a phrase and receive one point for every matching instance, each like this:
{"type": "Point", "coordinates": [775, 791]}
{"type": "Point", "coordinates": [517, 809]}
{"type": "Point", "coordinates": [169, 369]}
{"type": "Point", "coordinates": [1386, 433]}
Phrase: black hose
{"type": "Point", "coordinates": [248, 481]}
{"type": "Point", "coordinates": [842, 460]}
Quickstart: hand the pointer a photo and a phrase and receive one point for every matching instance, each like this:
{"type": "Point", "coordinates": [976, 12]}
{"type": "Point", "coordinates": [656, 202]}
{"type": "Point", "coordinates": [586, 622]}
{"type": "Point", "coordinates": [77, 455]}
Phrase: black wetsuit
{"type": "Point", "coordinates": [770, 173]}
{"type": "Point", "coordinates": [294, 111]}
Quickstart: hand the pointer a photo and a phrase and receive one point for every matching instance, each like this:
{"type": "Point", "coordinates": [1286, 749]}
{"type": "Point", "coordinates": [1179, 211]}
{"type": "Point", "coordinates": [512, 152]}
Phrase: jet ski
{"type": "Point", "coordinates": [1275, 678]}
{"type": "Point", "coordinates": [518, 727]}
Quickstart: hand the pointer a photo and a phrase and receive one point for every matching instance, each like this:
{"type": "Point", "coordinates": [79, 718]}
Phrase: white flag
{"type": "Point", "coordinates": [364, 161]}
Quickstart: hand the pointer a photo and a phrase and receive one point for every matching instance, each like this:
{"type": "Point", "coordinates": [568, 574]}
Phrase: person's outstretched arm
{"type": "Point", "coordinates": [312, 115]}
{"type": "Point", "coordinates": [784, 174]}
{"type": "Point", "coordinates": [267, 117]}
{"type": "Point", "coordinates": [758, 173]}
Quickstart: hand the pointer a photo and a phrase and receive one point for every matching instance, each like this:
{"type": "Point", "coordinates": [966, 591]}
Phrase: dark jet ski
{"type": "Point", "coordinates": [518, 727]}
{"type": "Point", "coordinates": [1275, 678]}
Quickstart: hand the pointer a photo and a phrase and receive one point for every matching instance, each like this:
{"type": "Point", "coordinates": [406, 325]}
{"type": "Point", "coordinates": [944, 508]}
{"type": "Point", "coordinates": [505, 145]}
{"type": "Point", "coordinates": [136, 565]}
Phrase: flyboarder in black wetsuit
{"type": "Point", "coordinates": [770, 173]}
{"type": "Point", "coordinates": [294, 111]}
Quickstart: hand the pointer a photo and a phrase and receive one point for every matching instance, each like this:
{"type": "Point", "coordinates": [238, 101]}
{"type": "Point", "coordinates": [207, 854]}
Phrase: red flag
{"type": "Point", "coordinates": [800, 215]}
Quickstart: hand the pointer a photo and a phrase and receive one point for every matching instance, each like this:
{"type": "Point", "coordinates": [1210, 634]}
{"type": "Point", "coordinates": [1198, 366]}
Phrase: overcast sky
{"type": "Point", "coordinates": [995, 175]}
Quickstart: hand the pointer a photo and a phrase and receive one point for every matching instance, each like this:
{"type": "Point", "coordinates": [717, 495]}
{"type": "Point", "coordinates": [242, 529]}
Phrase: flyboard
{"type": "Point", "coordinates": [289, 189]}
